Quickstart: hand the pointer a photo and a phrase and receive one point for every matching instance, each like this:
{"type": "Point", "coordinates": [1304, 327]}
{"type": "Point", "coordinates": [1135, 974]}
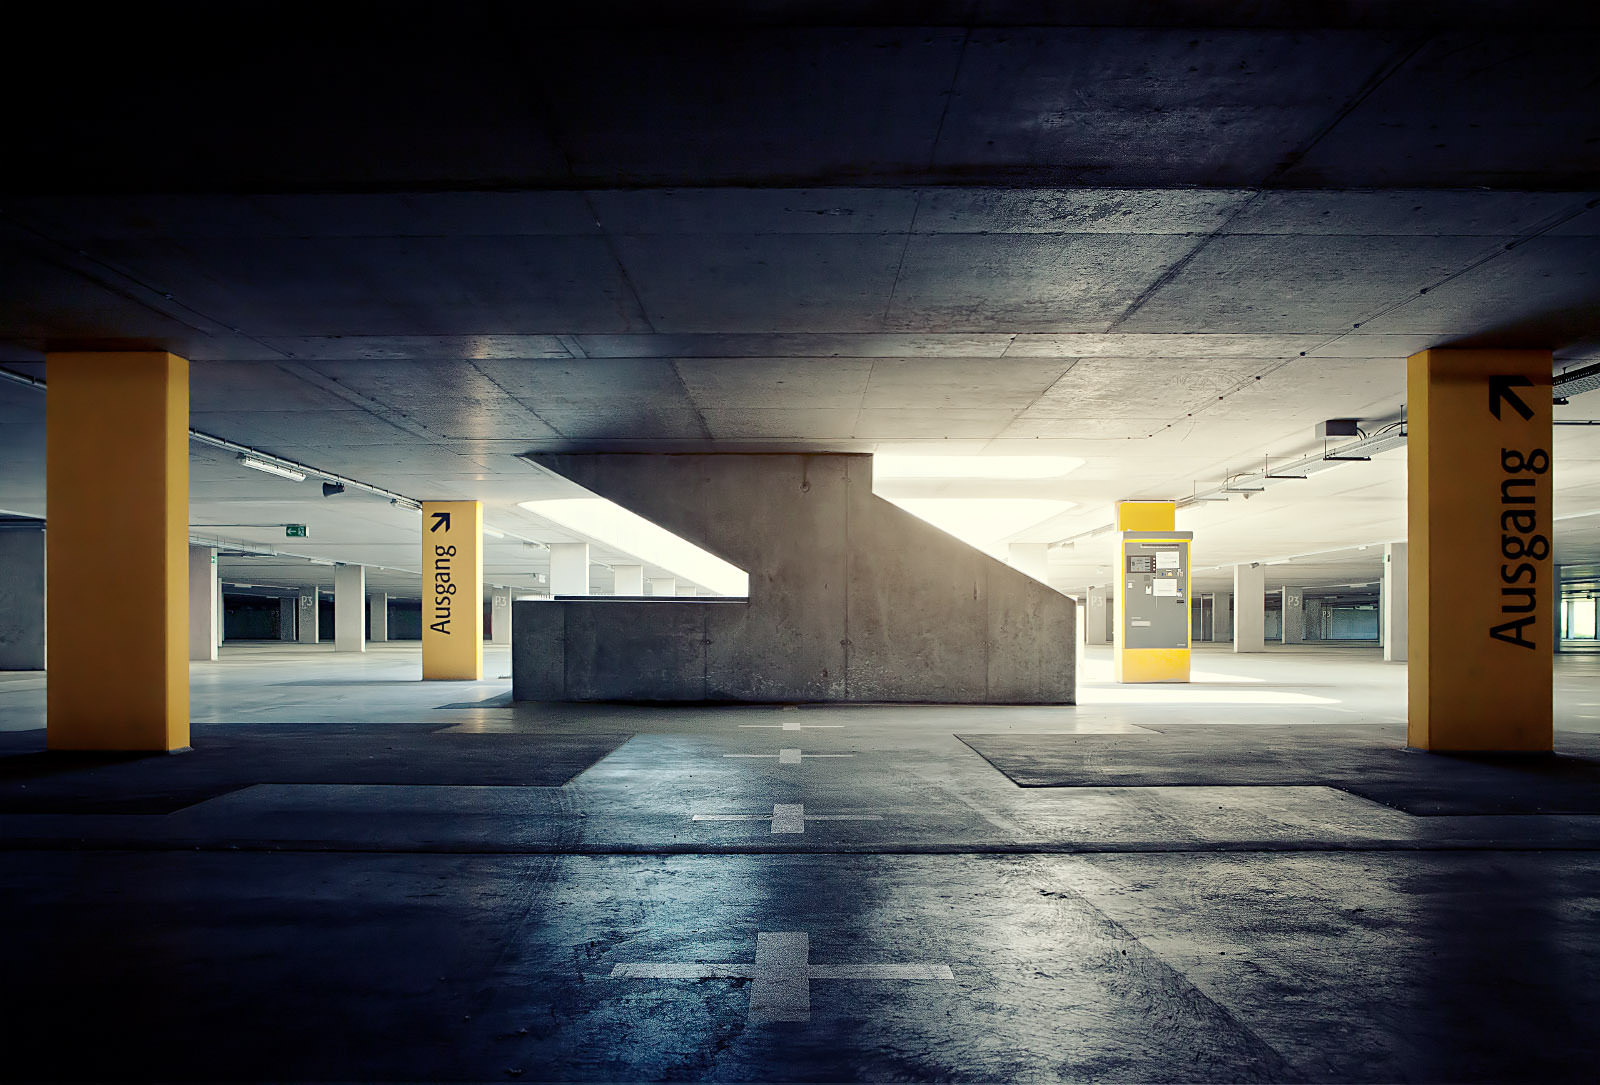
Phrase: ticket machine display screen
{"type": "Point", "coordinates": [1141, 563]}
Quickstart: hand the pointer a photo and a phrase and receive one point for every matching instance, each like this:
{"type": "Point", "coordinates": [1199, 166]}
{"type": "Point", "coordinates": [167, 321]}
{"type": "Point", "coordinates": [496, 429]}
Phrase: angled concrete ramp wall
{"type": "Point", "coordinates": [851, 598]}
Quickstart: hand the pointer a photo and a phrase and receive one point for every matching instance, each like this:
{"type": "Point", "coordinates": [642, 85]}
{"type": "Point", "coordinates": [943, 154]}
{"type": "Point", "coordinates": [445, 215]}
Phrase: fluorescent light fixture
{"type": "Point", "coordinates": [272, 468]}
{"type": "Point", "coordinates": [492, 533]}
{"type": "Point", "coordinates": [983, 522]}
{"type": "Point", "coordinates": [997, 467]}
{"type": "Point", "coordinates": [616, 528]}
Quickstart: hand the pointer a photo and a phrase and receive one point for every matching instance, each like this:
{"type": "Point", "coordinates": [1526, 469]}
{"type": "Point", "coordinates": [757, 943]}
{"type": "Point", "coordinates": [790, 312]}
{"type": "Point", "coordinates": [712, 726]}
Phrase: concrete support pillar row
{"type": "Point", "coordinates": [1396, 617]}
{"type": "Point", "coordinates": [203, 610]}
{"type": "Point", "coordinates": [1222, 617]}
{"type": "Point", "coordinates": [1249, 608]}
{"type": "Point", "coordinates": [1294, 615]}
{"type": "Point", "coordinates": [306, 625]}
{"type": "Point", "coordinates": [378, 617]}
{"type": "Point", "coordinates": [499, 615]}
{"type": "Point", "coordinates": [664, 586]}
{"type": "Point", "coordinates": [1098, 617]}
{"type": "Point", "coordinates": [627, 579]}
{"type": "Point", "coordinates": [22, 630]}
{"type": "Point", "coordinates": [569, 568]}
{"type": "Point", "coordinates": [350, 608]}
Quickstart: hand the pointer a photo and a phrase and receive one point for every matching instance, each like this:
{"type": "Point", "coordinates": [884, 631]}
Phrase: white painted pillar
{"type": "Point", "coordinates": [202, 602]}
{"type": "Point", "coordinates": [1222, 617]}
{"type": "Point", "coordinates": [349, 608]}
{"type": "Point", "coordinates": [627, 579]}
{"type": "Point", "coordinates": [1395, 603]}
{"type": "Point", "coordinates": [688, 590]}
{"type": "Point", "coordinates": [1030, 558]}
{"type": "Point", "coordinates": [216, 600]}
{"type": "Point", "coordinates": [22, 646]}
{"type": "Point", "coordinates": [1099, 616]}
{"type": "Point", "coordinates": [569, 568]}
{"type": "Point", "coordinates": [499, 615]}
{"type": "Point", "coordinates": [307, 616]}
{"type": "Point", "coordinates": [664, 586]}
{"type": "Point", "coordinates": [1294, 615]}
{"type": "Point", "coordinates": [378, 617]}
{"type": "Point", "coordinates": [1249, 608]}
{"type": "Point", "coordinates": [286, 618]}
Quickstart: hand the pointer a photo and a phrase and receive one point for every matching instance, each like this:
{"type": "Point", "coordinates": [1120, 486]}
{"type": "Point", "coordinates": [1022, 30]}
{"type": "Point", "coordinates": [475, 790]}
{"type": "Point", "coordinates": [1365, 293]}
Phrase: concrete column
{"type": "Point", "coordinates": [307, 624]}
{"type": "Point", "coordinates": [22, 597]}
{"type": "Point", "coordinates": [1098, 617]}
{"type": "Point", "coordinates": [1396, 616]}
{"type": "Point", "coordinates": [216, 599]}
{"type": "Point", "coordinates": [286, 618]}
{"type": "Point", "coordinates": [203, 602]}
{"type": "Point", "coordinates": [1222, 617]}
{"type": "Point", "coordinates": [627, 579]}
{"type": "Point", "coordinates": [1313, 622]}
{"type": "Point", "coordinates": [499, 615]}
{"type": "Point", "coordinates": [378, 617]}
{"type": "Point", "coordinates": [117, 480]}
{"type": "Point", "coordinates": [569, 568]}
{"type": "Point", "coordinates": [1294, 615]}
{"type": "Point", "coordinates": [1249, 608]}
{"type": "Point", "coordinates": [1030, 558]}
{"type": "Point", "coordinates": [350, 608]}
{"type": "Point", "coordinates": [664, 586]}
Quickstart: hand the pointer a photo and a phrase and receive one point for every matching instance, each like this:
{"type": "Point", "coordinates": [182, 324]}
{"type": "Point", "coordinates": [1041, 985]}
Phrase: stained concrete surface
{"type": "Point", "coordinates": [391, 931]}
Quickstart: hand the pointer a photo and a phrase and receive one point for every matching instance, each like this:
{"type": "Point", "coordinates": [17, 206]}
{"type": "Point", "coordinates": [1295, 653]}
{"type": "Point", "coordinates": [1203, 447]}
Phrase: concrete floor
{"type": "Point", "coordinates": [895, 910]}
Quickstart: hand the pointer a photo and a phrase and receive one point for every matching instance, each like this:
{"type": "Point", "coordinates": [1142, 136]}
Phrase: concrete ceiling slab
{"type": "Point", "coordinates": [1467, 109]}
{"type": "Point", "coordinates": [763, 282]}
{"type": "Point", "coordinates": [742, 424]}
{"type": "Point", "coordinates": [1143, 106]}
{"type": "Point", "coordinates": [776, 383]}
{"type": "Point", "coordinates": [1076, 210]}
{"type": "Point", "coordinates": [634, 212]}
{"type": "Point", "coordinates": [1012, 385]}
{"type": "Point", "coordinates": [1026, 282]}
{"type": "Point", "coordinates": [1300, 284]}
{"type": "Point", "coordinates": [390, 286]}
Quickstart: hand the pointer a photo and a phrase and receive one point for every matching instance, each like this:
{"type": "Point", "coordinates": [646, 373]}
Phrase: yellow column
{"type": "Point", "coordinates": [1482, 580]}
{"type": "Point", "coordinates": [452, 590]}
{"type": "Point", "coordinates": [1146, 664]}
{"type": "Point", "coordinates": [117, 486]}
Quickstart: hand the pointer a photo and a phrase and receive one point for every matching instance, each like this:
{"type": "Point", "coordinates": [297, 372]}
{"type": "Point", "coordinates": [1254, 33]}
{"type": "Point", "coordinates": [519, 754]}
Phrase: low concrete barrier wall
{"type": "Point", "coordinates": [852, 599]}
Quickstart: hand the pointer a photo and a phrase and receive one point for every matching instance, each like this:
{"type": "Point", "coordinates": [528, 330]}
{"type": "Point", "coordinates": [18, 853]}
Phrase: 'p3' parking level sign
{"type": "Point", "coordinates": [452, 590]}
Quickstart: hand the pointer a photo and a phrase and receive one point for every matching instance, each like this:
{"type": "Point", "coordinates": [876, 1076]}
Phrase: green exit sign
{"type": "Point", "coordinates": [294, 531]}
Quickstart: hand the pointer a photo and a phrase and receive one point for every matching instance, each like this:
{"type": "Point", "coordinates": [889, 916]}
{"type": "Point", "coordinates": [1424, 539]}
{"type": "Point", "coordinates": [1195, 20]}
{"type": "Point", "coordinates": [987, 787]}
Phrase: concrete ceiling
{"type": "Point", "coordinates": [1165, 238]}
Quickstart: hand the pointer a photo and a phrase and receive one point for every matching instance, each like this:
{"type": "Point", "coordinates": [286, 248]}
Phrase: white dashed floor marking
{"type": "Point", "coordinates": [782, 974]}
{"type": "Point", "coordinates": [788, 817]}
{"type": "Point", "coordinates": [786, 757]}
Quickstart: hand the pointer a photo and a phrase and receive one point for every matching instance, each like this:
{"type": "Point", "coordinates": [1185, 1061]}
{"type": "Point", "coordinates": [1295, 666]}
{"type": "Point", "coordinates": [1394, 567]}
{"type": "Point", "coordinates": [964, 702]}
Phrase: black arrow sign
{"type": "Point", "coordinates": [1500, 389]}
{"type": "Point", "coordinates": [442, 519]}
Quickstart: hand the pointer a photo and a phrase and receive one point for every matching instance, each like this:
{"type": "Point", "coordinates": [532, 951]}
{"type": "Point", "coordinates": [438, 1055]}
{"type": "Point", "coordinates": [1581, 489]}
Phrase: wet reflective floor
{"type": "Point", "coordinates": [801, 894]}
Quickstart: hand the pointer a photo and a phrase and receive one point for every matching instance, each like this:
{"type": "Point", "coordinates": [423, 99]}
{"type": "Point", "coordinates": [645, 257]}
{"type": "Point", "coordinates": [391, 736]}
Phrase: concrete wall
{"type": "Point", "coordinates": [22, 597]}
{"type": "Point", "coordinates": [851, 598]}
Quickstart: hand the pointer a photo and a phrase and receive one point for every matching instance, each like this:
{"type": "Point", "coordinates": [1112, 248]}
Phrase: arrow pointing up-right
{"type": "Point", "coordinates": [1500, 390]}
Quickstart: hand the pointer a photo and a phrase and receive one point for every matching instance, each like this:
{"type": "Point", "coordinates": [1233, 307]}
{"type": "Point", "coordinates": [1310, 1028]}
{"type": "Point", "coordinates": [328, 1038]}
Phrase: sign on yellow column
{"type": "Point", "coordinates": [1481, 588]}
{"type": "Point", "coordinates": [452, 590]}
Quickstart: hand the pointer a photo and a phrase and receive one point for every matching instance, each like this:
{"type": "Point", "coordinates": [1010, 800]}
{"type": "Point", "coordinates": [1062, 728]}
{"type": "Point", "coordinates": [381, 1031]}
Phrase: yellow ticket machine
{"type": "Point", "coordinates": [1152, 595]}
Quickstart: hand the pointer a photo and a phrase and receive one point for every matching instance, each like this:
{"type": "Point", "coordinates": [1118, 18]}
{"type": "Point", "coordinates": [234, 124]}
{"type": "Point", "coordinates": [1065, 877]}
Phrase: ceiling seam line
{"type": "Point", "coordinates": [1165, 279]}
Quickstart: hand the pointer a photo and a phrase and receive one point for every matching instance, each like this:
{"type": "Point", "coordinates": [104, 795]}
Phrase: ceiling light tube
{"type": "Point", "coordinates": [272, 468]}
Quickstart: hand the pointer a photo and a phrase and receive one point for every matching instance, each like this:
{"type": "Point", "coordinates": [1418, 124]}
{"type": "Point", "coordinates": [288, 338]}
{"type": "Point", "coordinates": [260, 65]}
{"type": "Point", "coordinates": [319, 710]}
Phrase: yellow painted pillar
{"type": "Point", "coordinates": [1482, 581]}
{"type": "Point", "coordinates": [117, 487]}
{"type": "Point", "coordinates": [452, 590]}
{"type": "Point", "coordinates": [1151, 645]}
